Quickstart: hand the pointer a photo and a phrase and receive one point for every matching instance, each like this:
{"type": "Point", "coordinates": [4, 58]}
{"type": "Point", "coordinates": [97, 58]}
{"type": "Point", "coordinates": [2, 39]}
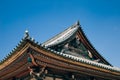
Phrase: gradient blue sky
{"type": "Point", "coordinates": [100, 20]}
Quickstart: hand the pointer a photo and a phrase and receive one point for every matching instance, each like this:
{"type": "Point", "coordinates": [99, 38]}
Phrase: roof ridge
{"type": "Point", "coordinates": [76, 25]}
{"type": "Point", "coordinates": [17, 48]}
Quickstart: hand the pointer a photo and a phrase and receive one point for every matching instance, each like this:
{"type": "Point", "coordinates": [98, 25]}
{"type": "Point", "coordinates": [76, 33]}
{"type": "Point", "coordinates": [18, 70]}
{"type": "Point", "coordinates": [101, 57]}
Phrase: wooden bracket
{"type": "Point", "coordinates": [33, 60]}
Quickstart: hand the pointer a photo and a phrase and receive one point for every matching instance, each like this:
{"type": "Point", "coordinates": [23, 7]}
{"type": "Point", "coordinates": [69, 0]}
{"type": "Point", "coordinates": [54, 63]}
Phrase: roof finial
{"type": "Point", "coordinates": [26, 35]}
{"type": "Point", "coordinates": [78, 23]}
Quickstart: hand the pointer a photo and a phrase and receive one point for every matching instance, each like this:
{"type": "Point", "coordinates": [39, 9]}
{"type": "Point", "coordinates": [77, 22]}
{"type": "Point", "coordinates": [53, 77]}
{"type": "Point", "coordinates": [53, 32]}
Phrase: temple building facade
{"type": "Point", "coordinates": [67, 56]}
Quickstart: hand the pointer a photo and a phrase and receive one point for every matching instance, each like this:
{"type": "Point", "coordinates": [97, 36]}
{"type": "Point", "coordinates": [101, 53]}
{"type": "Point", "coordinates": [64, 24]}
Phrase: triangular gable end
{"type": "Point", "coordinates": [73, 41]}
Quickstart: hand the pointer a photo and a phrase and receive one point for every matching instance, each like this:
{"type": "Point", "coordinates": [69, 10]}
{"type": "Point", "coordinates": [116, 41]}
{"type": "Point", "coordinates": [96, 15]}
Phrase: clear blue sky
{"type": "Point", "coordinates": [100, 20]}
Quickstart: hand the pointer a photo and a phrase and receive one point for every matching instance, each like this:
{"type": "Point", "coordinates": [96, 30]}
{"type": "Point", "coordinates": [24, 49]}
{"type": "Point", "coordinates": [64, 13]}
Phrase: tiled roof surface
{"type": "Point", "coordinates": [74, 58]}
{"type": "Point", "coordinates": [86, 61]}
{"type": "Point", "coordinates": [68, 35]}
{"type": "Point", "coordinates": [62, 36]}
{"type": "Point", "coordinates": [72, 29]}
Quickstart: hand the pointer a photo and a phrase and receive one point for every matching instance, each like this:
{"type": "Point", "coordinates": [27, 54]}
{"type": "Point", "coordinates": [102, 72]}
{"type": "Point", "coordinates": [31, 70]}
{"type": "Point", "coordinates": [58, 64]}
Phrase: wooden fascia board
{"type": "Point", "coordinates": [89, 45]}
{"type": "Point", "coordinates": [11, 60]}
{"type": "Point", "coordinates": [60, 58]}
{"type": "Point", "coordinates": [14, 73]}
{"type": "Point", "coordinates": [14, 57]}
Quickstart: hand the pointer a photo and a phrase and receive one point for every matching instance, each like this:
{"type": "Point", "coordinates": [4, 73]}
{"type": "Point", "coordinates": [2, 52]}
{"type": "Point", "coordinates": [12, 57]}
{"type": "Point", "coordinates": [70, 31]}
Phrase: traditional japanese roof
{"type": "Point", "coordinates": [24, 41]}
{"type": "Point", "coordinates": [15, 63]}
{"type": "Point", "coordinates": [63, 36]}
{"type": "Point", "coordinates": [70, 33]}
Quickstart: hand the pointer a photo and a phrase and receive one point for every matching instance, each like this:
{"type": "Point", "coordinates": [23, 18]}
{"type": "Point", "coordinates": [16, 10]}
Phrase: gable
{"type": "Point", "coordinates": [74, 46]}
{"type": "Point", "coordinates": [73, 41]}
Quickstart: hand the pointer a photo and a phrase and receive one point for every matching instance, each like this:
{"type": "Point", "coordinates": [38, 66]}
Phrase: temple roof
{"type": "Point", "coordinates": [65, 36]}
{"type": "Point", "coordinates": [24, 41]}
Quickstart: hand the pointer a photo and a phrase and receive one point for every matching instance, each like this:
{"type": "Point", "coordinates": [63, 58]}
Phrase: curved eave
{"type": "Point", "coordinates": [19, 46]}
{"type": "Point", "coordinates": [78, 59]}
{"type": "Point", "coordinates": [90, 46]}
{"type": "Point", "coordinates": [82, 60]}
{"type": "Point", "coordinates": [32, 44]}
{"type": "Point", "coordinates": [16, 62]}
{"type": "Point", "coordinates": [63, 36]}
{"type": "Point", "coordinates": [75, 61]}
{"type": "Point", "coordinates": [14, 51]}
